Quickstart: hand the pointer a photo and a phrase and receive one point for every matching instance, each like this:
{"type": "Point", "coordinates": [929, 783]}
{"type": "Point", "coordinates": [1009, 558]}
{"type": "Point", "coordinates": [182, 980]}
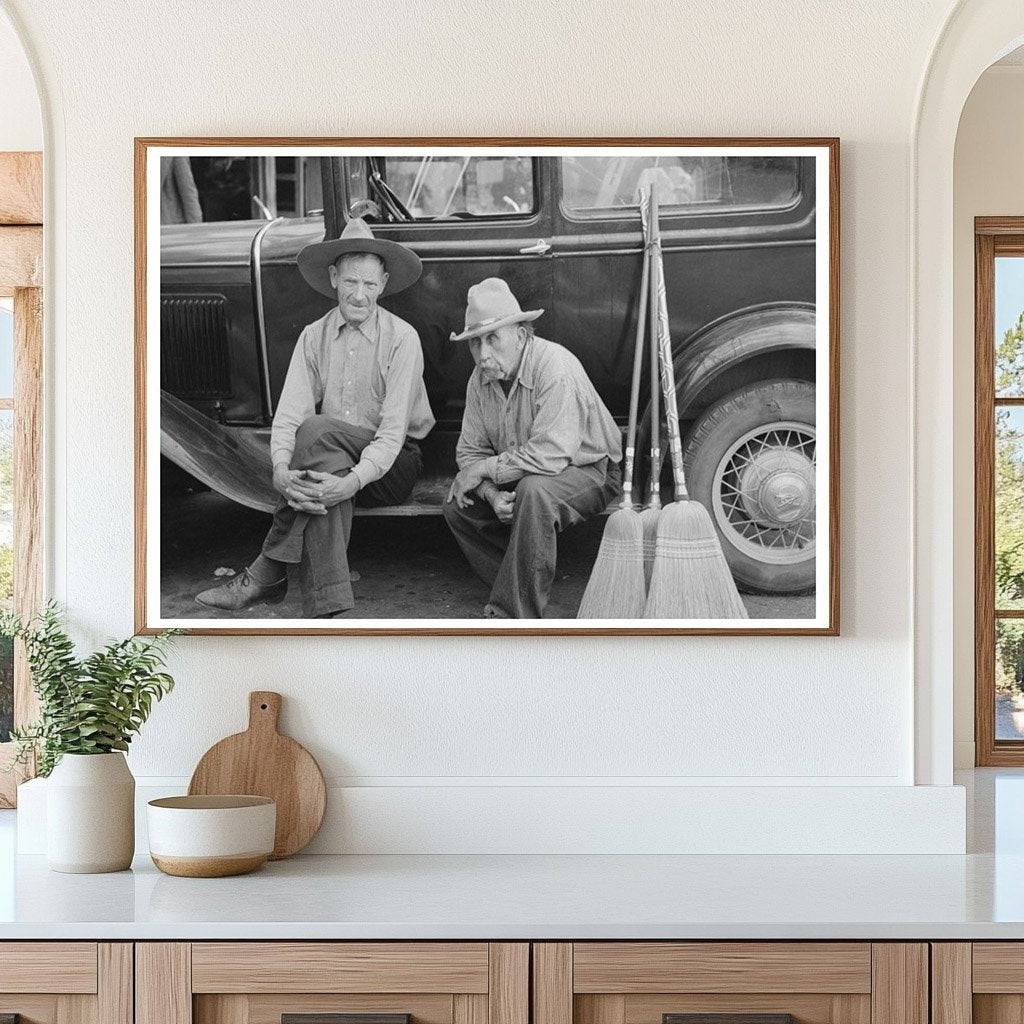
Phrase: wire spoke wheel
{"type": "Point", "coordinates": [764, 494]}
{"type": "Point", "coordinates": [751, 460]}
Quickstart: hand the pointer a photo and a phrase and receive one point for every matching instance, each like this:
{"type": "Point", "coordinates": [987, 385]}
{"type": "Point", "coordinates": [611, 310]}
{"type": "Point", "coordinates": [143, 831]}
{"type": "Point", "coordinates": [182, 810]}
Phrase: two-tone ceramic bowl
{"type": "Point", "coordinates": [211, 836]}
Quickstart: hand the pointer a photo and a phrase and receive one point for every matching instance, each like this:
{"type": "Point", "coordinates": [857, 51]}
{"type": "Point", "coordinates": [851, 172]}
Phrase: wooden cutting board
{"type": "Point", "coordinates": [262, 762]}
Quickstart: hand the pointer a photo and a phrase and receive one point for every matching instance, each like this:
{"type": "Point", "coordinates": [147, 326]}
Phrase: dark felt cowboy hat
{"type": "Point", "coordinates": [490, 305]}
{"type": "Point", "coordinates": [401, 263]}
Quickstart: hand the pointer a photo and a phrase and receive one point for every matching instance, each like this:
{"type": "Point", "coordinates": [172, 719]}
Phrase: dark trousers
{"type": "Point", "coordinates": [319, 544]}
{"type": "Point", "coordinates": [518, 559]}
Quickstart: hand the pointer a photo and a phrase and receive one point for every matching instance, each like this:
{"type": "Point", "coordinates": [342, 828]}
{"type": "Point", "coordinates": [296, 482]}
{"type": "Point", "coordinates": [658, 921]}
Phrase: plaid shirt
{"type": "Point", "coordinates": [552, 418]}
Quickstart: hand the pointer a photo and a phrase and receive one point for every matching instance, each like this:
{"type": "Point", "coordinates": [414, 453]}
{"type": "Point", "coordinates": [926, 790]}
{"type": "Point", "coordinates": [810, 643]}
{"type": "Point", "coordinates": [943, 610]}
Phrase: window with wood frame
{"type": "Point", "coordinates": [999, 490]}
{"type": "Point", "coordinates": [21, 349]}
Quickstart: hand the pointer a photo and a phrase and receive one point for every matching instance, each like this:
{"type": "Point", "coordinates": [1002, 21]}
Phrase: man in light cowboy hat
{"type": "Point", "coordinates": [352, 407]}
{"type": "Point", "coordinates": [538, 452]}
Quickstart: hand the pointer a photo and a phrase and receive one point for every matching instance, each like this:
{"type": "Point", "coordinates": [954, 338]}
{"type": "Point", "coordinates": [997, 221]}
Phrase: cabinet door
{"type": "Point", "coordinates": [66, 982]}
{"type": "Point", "coordinates": [980, 982]}
{"type": "Point", "coordinates": [302, 982]}
{"type": "Point", "coordinates": [736, 982]}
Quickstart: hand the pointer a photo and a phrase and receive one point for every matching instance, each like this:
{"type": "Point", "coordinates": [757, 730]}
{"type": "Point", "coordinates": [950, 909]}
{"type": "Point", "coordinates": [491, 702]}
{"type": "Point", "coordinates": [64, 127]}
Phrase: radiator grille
{"type": "Point", "coordinates": [195, 358]}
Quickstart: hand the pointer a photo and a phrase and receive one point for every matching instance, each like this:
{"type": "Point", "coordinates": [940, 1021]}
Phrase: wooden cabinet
{"type": "Point", "coordinates": [980, 982]}
{"type": "Point", "coordinates": [646, 982]}
{"type": "Point", "coordinates": [495, 983]}
{"type": "Point", "coordinates": [66, 982]}
{"type": "Point", "coordinates": [259, 982]}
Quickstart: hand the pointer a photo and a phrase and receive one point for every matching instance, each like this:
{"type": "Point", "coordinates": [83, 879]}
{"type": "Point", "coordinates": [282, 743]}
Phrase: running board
{"type": "Point", "coordinates": [236, 463]}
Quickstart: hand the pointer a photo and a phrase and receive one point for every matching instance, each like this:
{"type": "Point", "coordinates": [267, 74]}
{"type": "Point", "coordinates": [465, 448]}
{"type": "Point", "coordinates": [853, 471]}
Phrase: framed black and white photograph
{"type": "Point", "coordinates": [487, 386]}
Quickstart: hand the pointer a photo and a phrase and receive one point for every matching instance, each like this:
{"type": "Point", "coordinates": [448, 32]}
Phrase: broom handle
{"type": "Point", "coordinates": [660, 327]}
{"type": "Point", "coordinates": [634, 395]}
{"type": "Point", "coordinates": [654, 490]}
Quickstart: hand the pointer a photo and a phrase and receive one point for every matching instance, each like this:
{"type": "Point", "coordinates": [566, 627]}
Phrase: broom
{"type": "Point", "coordinates": [617, 587]}
{"type": "Point", "coordinates": [649, 516]}
{"type": "Point", "coordinates": [690, 578]}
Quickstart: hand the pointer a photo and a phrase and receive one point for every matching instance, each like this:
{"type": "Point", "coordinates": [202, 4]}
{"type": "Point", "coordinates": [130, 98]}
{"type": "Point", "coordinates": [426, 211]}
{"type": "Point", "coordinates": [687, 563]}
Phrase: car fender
{"type": "Point", "coordinates": [734, 339]}
{"type": "Point", "coordinates": [234, 461]}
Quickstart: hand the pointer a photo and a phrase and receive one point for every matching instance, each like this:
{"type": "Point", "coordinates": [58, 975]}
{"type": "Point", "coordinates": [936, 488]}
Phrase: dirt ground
{"type": "Point", "coordinates": [410, 567]}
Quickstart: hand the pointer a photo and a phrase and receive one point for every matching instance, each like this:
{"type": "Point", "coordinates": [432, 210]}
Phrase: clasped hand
{"type": "Point", "coordinates": [503, 503]}
{"type": "Point", "coordinates": [471, 479]}
{"type": "Point", "coordinates": [307, 490]}
{"type": "Point", "coordinates": [465, 483]}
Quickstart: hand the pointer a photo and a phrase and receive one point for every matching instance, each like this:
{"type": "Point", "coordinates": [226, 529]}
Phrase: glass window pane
{"type": "Point", "coordinates": [1009, 511]}
{"type": "Point", "coordinates": [6, 567]}
{"type": "Point", "coordinates": [461, 187]}
{"type": "Point", "coordinates": [1009, 679]}
{"type": "Point", "coordinates": [224, 185]}
{"type": "Point", "coordinates": [6, 348]}
{"type": "Point", "coordinates": [1009, 326]}
{"type": "Point", "coordinates": [688, 184]}
{"type": "Point", "coordinates": [313, 185]}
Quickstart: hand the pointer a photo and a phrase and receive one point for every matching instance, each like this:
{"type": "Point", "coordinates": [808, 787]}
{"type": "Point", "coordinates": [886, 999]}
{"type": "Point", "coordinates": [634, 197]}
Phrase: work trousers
{"type": "Point", "coordinates": [318, 545]}
{"type": "Point", "coordinates": [518, 559]}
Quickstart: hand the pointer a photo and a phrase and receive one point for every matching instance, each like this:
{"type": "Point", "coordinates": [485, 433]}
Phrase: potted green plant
{"type": "Point", "coordinates": [89, 710]}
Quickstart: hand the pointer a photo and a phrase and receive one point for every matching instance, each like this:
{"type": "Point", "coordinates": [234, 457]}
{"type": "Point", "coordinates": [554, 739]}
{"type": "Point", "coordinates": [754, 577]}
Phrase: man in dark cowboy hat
{"type": "Point", "coordinates": [538, 452]}
{"type": "Point", "coordinates": [345, 430]}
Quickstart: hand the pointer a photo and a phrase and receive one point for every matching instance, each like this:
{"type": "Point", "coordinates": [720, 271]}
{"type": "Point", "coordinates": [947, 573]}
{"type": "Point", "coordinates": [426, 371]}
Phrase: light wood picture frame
{"type": "Point", "coordinates": [21, 278]}
{"type": "Point", "coordinates": [722, 223]}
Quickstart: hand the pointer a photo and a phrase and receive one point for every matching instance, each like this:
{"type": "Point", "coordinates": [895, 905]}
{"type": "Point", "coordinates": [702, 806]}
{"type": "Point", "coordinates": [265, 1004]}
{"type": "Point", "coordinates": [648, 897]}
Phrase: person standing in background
{"type": "Point", "coordinates": [179, 197]}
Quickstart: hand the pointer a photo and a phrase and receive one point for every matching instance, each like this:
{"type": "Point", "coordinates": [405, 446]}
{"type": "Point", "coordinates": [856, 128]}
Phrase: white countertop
{"type": "Point", "coordinates": [532, 897]}
{"type": "Point", "coordinates": [977, 896]}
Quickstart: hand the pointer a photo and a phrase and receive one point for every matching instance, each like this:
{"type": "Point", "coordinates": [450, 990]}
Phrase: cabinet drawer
{"type": "Point", "coordinates": [733, 982]}
{"type": "Point", "coordinates": [66, 982]}
{"type": "Point", "coordinates": [340, 967]}
{"type": "Point", "coordinates": [981, 982]}
{"type": "Point", "coordinates": [998, 967]}
{"type": "Point", "coordinates": [48, 967]}
{"type": "Point", "coordinates": [260, 982]}
{"type": "Point", "coordinates": [635, 967]}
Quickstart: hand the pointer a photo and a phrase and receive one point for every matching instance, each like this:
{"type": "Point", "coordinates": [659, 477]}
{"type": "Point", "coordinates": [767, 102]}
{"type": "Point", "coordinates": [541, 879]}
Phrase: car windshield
{"type": "Point", "coordinates": [460, 187]}
{"type": "Point", "coordinates": [592, 184]}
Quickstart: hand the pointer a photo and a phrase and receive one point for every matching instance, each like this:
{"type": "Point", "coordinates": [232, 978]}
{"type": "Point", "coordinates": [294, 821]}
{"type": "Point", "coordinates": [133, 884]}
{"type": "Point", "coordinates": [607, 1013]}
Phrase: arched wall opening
{"type": "Point", "coordinates": [21, 117]}
{"type": "Point", "coordinates": [986, 183]}
{"type": "Point", "coordinates": [976, 34]}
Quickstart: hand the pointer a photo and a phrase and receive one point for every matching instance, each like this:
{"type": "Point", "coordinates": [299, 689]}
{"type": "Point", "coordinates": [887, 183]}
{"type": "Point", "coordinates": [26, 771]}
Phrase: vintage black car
{"type": "Point", "coordinates": [739, 240]}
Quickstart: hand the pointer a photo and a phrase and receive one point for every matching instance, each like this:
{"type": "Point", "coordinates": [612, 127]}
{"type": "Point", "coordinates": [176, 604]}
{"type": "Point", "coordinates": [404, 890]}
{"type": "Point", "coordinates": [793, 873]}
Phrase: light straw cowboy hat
{"type": "Point", "coordinates": [401, 263]}
{"type": "Point", "coordinates": [490, 305]}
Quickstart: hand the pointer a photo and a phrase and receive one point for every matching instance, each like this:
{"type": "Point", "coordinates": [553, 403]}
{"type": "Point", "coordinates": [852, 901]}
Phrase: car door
{"type": "Point", "coordinates": [597, 255]}
{"type": "Point", "coordinates": [735, 231]}
{"type": "Point", "coordinates": [468, 217]}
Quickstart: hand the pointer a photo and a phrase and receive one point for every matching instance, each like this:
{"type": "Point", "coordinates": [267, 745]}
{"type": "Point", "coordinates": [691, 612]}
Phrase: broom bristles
{"type": "Point", "coordinates": [616, 589]}
{"type": "Point", "coordinates": [690, 578]}
{"type": "Point", "coordinates": [649, 523]}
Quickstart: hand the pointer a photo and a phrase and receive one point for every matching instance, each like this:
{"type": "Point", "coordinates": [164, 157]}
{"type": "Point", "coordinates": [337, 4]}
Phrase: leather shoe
{"type": "Point", "coordinates": [243, 592]}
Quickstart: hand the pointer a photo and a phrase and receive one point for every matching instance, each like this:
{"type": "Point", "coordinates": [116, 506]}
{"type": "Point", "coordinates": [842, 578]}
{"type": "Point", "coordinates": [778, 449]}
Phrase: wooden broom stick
{"type": "Point", "coordinates": [634, 394]}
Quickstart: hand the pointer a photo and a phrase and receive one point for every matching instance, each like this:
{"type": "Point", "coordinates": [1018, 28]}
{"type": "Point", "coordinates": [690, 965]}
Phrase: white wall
{"type": "Point", "coordinates": [21, 124]}
{"type": "Point", "coordinates": [988, 181]}
{"type": "Point", "coordinates": [441, 714]}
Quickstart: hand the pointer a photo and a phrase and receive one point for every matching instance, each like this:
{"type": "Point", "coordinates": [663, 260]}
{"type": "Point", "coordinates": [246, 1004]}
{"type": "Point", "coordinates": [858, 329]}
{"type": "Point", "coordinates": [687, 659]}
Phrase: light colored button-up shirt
{"type": "Point", "coordinates": [551, 418]}
{"type": "Point", "coordinates": [369, 375]}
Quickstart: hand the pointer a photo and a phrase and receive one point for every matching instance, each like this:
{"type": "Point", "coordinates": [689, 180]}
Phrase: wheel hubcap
{"type": "Point", "coordinates": [764, 493]}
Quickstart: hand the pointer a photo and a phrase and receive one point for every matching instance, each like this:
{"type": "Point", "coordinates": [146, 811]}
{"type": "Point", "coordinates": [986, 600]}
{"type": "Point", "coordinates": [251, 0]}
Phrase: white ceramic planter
{"type": "Point", "coordinates": [90, 814]}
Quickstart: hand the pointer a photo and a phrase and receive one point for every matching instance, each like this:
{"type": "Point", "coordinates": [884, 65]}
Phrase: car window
{"type": "Point", "coordinates": [595, 185]}
{"type": "Point", "coordinates": [222, 188]}
{"type": "Point", "coordinates": [461, 187]}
